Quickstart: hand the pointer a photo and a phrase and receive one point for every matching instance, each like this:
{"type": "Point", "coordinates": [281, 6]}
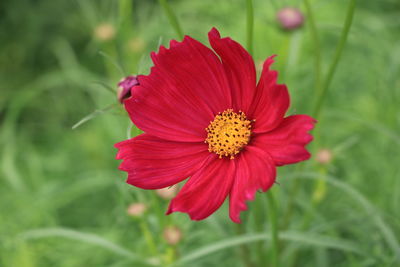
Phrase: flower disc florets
{"type": "Point", "coordinates": [228, 133]}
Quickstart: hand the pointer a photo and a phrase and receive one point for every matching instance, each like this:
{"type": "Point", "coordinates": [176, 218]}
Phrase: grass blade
{"type": "Point", "coordinates": [92, 115]}
{"type": "Point", "coordinates": [305, 238]}
{"type": "Point", "coordinates": [386, 231]}
{"type": "Point", "coordinates": [82, 237]}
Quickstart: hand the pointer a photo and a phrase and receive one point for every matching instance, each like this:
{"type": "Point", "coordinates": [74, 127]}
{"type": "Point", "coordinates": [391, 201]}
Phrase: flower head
{"type": "Point", "coordinates": [205, 117]}
{"type": "Point", "coordinates": [290, 18]}
{"type": "Point", "coordinates": [125, 86]}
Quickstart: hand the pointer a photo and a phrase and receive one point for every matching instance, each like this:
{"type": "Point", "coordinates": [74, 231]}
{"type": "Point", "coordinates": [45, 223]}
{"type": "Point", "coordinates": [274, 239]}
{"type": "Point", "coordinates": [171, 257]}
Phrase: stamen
{"type": "Point", "coordinates": [228, 133]}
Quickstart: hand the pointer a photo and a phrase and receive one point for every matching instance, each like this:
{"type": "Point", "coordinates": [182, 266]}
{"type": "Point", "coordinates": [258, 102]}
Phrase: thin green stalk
{"type": "Point", "coordinates": [321, 97]}
{"type": "Point", "coordinates": [273, 222]}
{"type": "Point", "coordinates": [244, 250]}
{"type": "Point", "coordinates": [173, 20]}
{"type": "Point", "coordinates": [293, 190]}
{"type": "Point", "coordinates": [250, 25]}
{"type": "Point", "coordinates": [259, 219]}
{"type": "Point", "coordinates": [339, 49]}
{"type": "Point", "coordinates": [316, 44]}
{"type": "Point", "coordinates": [148, 236]}
{"type": "Point", "coordinates": [317, 70]}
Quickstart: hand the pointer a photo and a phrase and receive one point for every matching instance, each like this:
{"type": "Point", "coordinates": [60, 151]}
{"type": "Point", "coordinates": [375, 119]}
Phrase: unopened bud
{"type": "Point", "coordinates": [125, 86]}
{"type": "Point", "coordinates": [324, 156]}
{"type": "Point", "coordinates": [168, 192]}
{"type": "Point", "coordinates": [290, 18]}
{"type": "Point", "coordinates": [104, 32]}
{"type": "Point", "coordinates": [136, 209]}
{"type": "Point", "coordinates": [172, 235]}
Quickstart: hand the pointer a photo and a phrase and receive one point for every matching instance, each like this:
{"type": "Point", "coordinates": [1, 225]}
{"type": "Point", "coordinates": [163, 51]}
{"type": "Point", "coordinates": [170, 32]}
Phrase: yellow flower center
{"type": "Point", "coordinates": [228, 133]}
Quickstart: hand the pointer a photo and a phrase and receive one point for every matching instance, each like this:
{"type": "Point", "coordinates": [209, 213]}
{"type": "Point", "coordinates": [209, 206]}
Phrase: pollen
{"type": "Point", "coordinates": [228, 133]}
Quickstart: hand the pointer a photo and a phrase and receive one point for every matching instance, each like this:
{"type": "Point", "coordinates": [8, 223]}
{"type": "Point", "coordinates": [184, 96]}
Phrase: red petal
{"type": "Point", "coordinates": [286, 144]}
{"type": "Point", "coordinates": [255, 171]}
{"type": "Point", "coordinates": [206, 190]}
{"type": "Point", "coordinates": [153, 163]}
{"type": "Point", "coordinates": [270, 102]}
{"type": "Point", "coordinates": [186, 88]}
{"type": "Point", "coordinates": [239, 68]}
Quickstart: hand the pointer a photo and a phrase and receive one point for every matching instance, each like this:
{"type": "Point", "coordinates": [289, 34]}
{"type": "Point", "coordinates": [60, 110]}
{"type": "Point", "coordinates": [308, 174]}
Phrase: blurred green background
{"type": "Point", "coordinates": [64, 203]}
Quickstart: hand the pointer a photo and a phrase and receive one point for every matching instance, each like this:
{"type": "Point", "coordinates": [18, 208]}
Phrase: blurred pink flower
{"type": "Point", "coordinates": [290, 18]}
{"type": "Point", "coordinates": [172, 235]}
{"type": "Point", "coordinates": [167, 192]}
{"type": "Point", "coordinates": [324, 156]}
{"type": "Point", "coordinates": [136, 209]}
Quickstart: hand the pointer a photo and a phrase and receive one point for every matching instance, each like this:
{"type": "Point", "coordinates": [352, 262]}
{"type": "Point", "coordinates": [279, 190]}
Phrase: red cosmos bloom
{"type": "Point", "coordinates": [204, 117]}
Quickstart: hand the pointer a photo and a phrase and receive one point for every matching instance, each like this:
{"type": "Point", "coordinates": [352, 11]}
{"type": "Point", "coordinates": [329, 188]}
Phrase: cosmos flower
{"type": "Point", "coordinates": [205, 118]}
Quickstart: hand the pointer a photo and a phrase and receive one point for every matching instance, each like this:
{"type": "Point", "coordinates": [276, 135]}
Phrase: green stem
{"type": "Point", "coordinates": [173, 20]}
{"type": "Point", "coordinates": [250, 25]}
{"type": "Point", "coordinates": [244, 250]}
{"type": "Point", "coordinates": [148, 237]}
{"type": "Point", "coordinates": [293, 190]}
{"type": "Point", "coordinates": [316, 44]}
{"type": "Point", "coordinates": [259, 219]}
{"type": "Point", "coordinates": [320, 99]}
{"type": "Point", "coordinates": [339, 49]}
{"type": "Point", "coordinates": [317, 70]}
{"type": "Point", "coordinates": [273, 222]}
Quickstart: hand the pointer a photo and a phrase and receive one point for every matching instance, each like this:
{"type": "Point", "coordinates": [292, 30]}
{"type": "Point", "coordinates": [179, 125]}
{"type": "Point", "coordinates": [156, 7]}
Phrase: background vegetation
{"type": "Point", "coordinates": [63, 202]}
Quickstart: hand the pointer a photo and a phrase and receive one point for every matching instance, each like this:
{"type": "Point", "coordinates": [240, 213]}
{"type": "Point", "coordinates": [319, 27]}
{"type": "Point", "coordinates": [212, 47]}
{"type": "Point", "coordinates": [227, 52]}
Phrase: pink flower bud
{"type": "Point", "coordinates": [104, 32]}
{"type": "Point", "coordinates": [290, 18]}
{"type": "Point", "coordinates": [125, 86]}
{"type": "Point", "coordinates": [136, 209]}
{"type": "Point", "coordinates": [324, 156]}
{"type": "Point", "coordinates": [172, 235]}
{"type": "Point", "coordinates": [168, 192]}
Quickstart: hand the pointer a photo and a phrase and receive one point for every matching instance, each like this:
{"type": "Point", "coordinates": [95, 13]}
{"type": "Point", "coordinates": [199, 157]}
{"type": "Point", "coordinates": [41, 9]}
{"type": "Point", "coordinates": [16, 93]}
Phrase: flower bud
{"type": "Point", "coordinates": [167, 192]}
{"type": "Point", "coordinates": [104, 32]}
{"type": "Point", "coordinates": [125, 86]}
{"type": "Point", "coordinates": [136, 209]}
{"type": "Point", "coordinates": [290, 18]}
{"type": "Point", "coordinates": [172, 235]}
{"type": "Point", "coordinates": [324, 156]}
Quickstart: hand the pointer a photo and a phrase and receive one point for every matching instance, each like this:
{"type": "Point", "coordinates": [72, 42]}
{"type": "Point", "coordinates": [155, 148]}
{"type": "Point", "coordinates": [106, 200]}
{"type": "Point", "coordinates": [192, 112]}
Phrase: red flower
{"type": "Point", "coordinates": [204, 117]}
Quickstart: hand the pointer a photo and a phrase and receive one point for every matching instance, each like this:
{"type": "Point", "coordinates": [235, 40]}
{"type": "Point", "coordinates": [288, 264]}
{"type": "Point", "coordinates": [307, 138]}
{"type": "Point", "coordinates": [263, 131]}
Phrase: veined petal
{"type": "Point", "coordinates": [186, 88]}
{"type": "Point", "coordinates": [206, 190]}
{"type": "Point", "coordinates": [271, 100]}
{"type": "Point", "coordinates": [286, 144]}
{"type": "Point", "coordinates": [255, 170]}
{"type": "Point", "coordinates": [239, 68]}
{"type": "Point", "coordinates": [153, 163]}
